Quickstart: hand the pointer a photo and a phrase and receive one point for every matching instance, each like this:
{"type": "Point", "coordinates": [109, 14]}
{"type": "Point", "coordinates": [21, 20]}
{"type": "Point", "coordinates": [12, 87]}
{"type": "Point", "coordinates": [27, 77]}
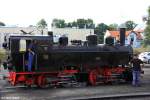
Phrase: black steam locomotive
{"type": "Point", "coordinates": [60, 64]}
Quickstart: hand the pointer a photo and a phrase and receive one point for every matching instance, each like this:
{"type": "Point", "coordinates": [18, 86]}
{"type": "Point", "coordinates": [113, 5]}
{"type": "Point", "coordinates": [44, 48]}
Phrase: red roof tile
{"type": "Point", "coordinates": [117, 35]}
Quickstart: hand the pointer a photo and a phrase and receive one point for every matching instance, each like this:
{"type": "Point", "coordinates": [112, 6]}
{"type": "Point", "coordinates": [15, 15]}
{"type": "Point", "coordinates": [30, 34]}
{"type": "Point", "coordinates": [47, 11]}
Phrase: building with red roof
{"type": "Point", "coordinates": [133, 38]}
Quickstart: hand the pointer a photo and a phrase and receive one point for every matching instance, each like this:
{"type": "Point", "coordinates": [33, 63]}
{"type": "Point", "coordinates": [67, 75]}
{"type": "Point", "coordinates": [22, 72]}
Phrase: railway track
{"type": "Point", "coordinates": [102, 92]}
{"type": "Point", "coordinates": [142, 95]}
{"type": "Point", "coordinates": [127, 96]}
{"type": "Point", "coordinates": [121, 96]}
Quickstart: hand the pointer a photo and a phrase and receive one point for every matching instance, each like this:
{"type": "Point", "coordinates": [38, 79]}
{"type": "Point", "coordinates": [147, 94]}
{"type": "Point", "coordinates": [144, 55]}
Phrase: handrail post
{"type": "Point", "coordinates": [36, 62]}
{"type": "Point", "coordinates": [23, 62]}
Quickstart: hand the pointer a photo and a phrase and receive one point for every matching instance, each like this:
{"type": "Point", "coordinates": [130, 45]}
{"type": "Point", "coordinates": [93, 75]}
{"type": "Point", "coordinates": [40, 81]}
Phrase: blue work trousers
{"type": "Point", "coordinates": [136, 78]}
{"type": "Point", "coordinates": [30, 61]}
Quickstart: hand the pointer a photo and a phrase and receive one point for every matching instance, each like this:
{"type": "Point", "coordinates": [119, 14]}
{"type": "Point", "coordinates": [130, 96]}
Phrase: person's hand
{"type": "Point", "coordinates": [130, 64]}
{"type": "Point", "coordinates": [142, 71]}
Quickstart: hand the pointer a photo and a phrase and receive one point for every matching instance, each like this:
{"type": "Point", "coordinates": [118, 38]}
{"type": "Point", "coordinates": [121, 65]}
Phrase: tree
{"type": "Point", "coordinates": [2, 24]}
{"type": "Point", "coordinates": [41, 25]}
{"type": "Point", "coordinates": [130, 25]}
{"type": "Point", "coordinates": [58, 23]}
{"type": "Point", "coordinates": [89, 24]}
{"type": "Point", "coordinates": [55, 23]}
{"type": "Point", "coordinates": [85, 23]}
{"type": "Point", "coordinates": [62, 23]}
{"type": "Point", "coordinates": [102, 27]}
{"type": "Point", "coordinates": [113, 27]}
{"type": "Point", "coordinates": [74, 24]}
{"type": "Point", "coordinates": [147, 29]}
{"type": "Point", "coordinates": [69, 25]}
{"type": "Point", "coordinates": [100, 31]}
{"type": "Point", "coordinates": [81, 23]}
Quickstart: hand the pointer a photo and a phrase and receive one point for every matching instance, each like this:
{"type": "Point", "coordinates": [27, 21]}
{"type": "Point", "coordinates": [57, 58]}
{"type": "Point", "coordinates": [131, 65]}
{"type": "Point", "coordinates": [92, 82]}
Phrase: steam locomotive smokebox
{"type": "Point", "coordinates": [91, 40]}
{"type": "Point", "coordinates": [63, 41]}
{"type": "Point", "coordinates": [109, 41]}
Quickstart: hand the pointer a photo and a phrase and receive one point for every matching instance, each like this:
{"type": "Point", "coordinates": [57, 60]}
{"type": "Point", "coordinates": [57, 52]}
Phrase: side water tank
{"type": "Point", "coordinates": [91, 40]}
{"type": "Point", "coordinates": [63, 41]}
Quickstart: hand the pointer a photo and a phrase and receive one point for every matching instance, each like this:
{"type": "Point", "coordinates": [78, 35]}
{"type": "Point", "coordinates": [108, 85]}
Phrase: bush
{"type": "Point", "coordinates": [2, 55]}
{"type": "Point", "coordinates": [142, 49]}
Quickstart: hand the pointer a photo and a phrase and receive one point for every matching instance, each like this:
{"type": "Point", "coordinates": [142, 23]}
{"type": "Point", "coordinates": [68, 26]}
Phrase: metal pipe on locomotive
{"type": "Point", "coordinates": [61, 64]}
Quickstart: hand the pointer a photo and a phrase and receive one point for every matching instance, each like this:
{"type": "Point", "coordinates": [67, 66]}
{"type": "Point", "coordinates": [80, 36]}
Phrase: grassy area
{"type": "Point", "coordinates": [2, 55]}
{"type": "Point", "coordinates": [142, 49]}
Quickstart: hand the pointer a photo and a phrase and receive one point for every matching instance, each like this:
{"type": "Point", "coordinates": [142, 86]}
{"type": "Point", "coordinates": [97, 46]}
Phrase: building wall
{"type": "Point", "coordinates": [73, 33]}
{"type": "Point", "coordinates": [136, 42]}
{"type": "Point", "coordinates": [16, 30]}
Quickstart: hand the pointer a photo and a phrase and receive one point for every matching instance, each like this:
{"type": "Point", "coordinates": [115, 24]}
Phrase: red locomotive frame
{"type": "Point", "coordinates": [40, 78]}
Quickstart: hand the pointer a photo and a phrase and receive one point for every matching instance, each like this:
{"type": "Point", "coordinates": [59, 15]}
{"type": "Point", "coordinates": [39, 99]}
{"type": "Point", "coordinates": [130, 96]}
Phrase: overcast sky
{"type": "Point", "coordinates": [29, 12]}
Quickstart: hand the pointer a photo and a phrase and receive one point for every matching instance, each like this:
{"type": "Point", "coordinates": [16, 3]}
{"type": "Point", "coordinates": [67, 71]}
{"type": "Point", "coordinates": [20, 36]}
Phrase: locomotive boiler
{"type": "Point", "coordinates": [61, 64]}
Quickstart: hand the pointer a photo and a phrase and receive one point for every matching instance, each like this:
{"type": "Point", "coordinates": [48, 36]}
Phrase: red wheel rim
{"type": "Point", "coordinates": [41, 81]}
{"type": "Point", "coordinates": [93, 77]}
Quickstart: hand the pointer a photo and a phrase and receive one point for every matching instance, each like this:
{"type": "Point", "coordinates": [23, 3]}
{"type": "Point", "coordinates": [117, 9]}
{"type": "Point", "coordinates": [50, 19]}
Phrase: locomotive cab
{"type": "Point", "coordinates": [18, 51]}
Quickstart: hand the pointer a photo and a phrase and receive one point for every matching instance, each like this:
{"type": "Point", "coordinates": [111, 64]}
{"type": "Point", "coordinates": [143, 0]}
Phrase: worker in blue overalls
{"type": "Point", "coordinates": [31, 54]}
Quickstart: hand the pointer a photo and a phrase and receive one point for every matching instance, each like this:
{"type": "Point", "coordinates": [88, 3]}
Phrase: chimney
{"type": "Point", "coordinates": [122, 34]}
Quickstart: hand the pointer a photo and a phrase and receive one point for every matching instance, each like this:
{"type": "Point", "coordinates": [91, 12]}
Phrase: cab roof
{"type": "Point", "coordinates": [31, 37]}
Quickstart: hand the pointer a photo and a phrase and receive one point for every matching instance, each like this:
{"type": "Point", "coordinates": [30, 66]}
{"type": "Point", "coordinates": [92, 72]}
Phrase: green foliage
{"type": "Point", "coordinates": [113, 27]}
{"type": "Point", "coordinates": [2, 24]}
{"type": "Point", "coordinates": [74, 24]}
{"type": "Point", "coordinates": [102, 27]}
{"type": "Point", "coordinates": [100, 35]}
{"type": "Point", "coordinates": [142, 49]}
{"type": "Point", "coordinates": [83, 23]}
{"type": "Point", "coordinates": [2, 55]}
{"type": "Point", "coordinates": [100, 30]}
{"type": "Point", "coordinates": [55, 23]}
{"type": "Point", "coordinates": [90, 23]}
{"type": "Point", "coordinates": [147, 30]}
{"type": "Point", "coordinates": [59, 23]}
{"type": "Point", "coordinates": [147, 35]}
{"type": "Point", "coordinates": [80, 23]}
{"type": "Point", "coordinates": [42, 24]}
{"type": "Point", "coordinates": [62, 23]}
{"type": "Point", "coordinates": [69, 25]}
{"type": "Point", "coordinates": [130, 25]}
